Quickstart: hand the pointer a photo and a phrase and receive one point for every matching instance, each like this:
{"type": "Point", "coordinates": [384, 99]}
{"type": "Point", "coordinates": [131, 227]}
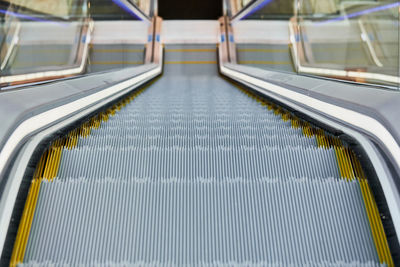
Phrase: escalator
{"type": "Point", "coordinates": [193, 169]}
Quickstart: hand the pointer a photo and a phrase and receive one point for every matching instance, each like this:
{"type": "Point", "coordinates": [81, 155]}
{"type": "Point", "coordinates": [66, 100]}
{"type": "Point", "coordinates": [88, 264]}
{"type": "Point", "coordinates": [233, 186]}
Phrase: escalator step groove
{"type": "Point", "coordinates": [180, 221]}
{"type": "Point", "coordinates": [195, 172]}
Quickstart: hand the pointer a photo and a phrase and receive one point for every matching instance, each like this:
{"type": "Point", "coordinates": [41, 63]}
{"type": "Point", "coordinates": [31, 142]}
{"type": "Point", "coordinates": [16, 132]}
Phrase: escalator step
{"type": "Point", "coordinates": [179, 221]}
{"type": "Point", "coordinates": [196, 172]}
{"type": "Point", "coordinates": [211, 163]}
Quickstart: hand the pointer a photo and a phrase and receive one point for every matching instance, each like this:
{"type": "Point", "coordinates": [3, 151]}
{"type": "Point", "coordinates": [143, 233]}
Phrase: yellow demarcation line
{"type": "Point", "coordinates": [47, 169]}
{"type": "Point", "coordinates": [378, 232]}
{"type": "Point", "coordinates": [349, 168]}
{"type": "Point", "coordinates": [191, 62]}
{"type": "Point", "coordinates": [192, 50]}
{"type": "Point", "coordinates": [264, 62]}
{"type": "Point", "coordinates": [21, 240]}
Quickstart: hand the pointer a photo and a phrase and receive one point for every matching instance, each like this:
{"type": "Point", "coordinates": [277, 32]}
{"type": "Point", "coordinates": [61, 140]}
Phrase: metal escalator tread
{"type": "Point", "coordinates": [195, 172]}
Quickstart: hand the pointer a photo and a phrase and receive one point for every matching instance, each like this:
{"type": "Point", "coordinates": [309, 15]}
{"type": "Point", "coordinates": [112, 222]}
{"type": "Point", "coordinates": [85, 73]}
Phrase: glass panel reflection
{"type": "Point", "coordinates": [356, 41]}
{"type": "Point", "coordinates": [262, 36]}
{"type": "Point", "coordinates": [49, 39]}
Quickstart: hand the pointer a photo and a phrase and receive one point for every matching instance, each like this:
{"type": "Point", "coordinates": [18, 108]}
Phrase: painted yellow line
{"type": "Point", "coordinates": [191, 50]}
{"type": "Point", "coordinates": [264, 50]}
{"type": "Point", "coordinates": [24, 227]}
{"type": "Point", "coordinates": [116, 62]}
{"type": "Point", "coordinates": [264, 62]}
{"type": "Point", "coordinates": [375, 221]}
{"type": "Point", "coordinates": [47, 169]}
{"type": "Point", "coordinates": [377, 230]}
{"type": "Point", "coordinates": [349, 168]}
{"type": "Point", "coordinates": [191, 62]}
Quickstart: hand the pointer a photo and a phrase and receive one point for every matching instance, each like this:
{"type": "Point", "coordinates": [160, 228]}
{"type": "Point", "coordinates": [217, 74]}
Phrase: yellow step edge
{"type": "Point", "coordinates": [24, 227]}
{"type": "Point", "coordinates": [371, 208]}
{"type": "Point", "coordinates": [339, 160]}
{"type": "Point", "coordinates": [349, 164]}
{"type": "Point", "coordinates": [375, 221]}
{"type": "Point", "coordinates": [53, 164]}
{"type": "Point", "coordinates": [48, 164]}
{"type": "Point", "coordinates": [350, 169]}
{"type": "Point", "coordinates": [47, 168]}
{"type": "Point", "coordinates": [57, 163]}
{"type": "Point", "coordinates": [36, 184]}
{"type": "Point", "coordinates": [343, 159]}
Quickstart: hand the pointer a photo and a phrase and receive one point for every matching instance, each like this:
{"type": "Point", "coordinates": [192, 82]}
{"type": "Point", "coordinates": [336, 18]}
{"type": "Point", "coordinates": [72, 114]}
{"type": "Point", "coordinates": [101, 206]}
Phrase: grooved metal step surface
{"type": "Point", "coordinates": [193, 172]}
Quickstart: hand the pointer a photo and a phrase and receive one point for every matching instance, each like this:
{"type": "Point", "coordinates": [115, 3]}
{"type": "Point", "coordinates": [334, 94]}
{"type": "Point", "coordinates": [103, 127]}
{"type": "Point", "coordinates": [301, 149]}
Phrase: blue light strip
{"type": "Point", "coordinates": [263, 4]}
{"type": "Point", "coordinates": [126, 8]}
{"type": "Point", "coordinates": [360, 13]}
{"type": "Point", "coordinates": [27, 17]}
